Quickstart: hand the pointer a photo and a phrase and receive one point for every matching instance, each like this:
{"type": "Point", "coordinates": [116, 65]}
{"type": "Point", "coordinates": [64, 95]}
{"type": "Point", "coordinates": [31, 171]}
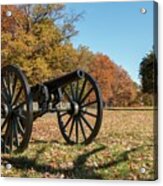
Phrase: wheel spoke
{"type": "Point", "coordinates": [77, 131]}
{"type": "Point", "coordinates": [9, 85]}
{"type": "Point", "coordinates": [20, 127]}
{"type": "Point", "coordinates": [16, 132]}
{"type": "Point", "coordinates": [77, 89]}
{"type": "Point", "coordinates": [22, 116]}
{"type": "Point", "coordinates": [87, 94]}
{"type": "Point", "coordinates": [4, 123]}
{"type": "Point", "coordinates": [89, 113]}
{"type": "Point", "coordinates": [14, 85]}
{"type": "Point", "coordinates": [11, 136]}
{"type": "Point", "coordinates": [3, 83]}
{"type": "Point", "coordinates": [82, 89]}
{"type": "Point", "coordinates": [70, 100]}
{"type": "Point", "coordinates": [71, 129]}
{"type": "Point", "coordinates": [86, 122]}
{"type": "Point", "coordinates": [17, 96]}
{"type": "Point", "coordinates": [7, 133]}
{"type": "Point", "coordinates": [64, 114]}
{"type": "Point", "coordinates": [3, 96]}
{"type": "Point", "coordinates": [72, 91]}
{"type": "Point", "coordinates": [4, 86]}
{"type": "Point", "coordinates": [2, 140]}
{"type": "Point", "coordinates": [20, 105]}
{"type": "Point", "coordinates": [89, 103]}
{"type": "Point", "coordinates": [82, 129]}
{"type": "Point", "coordinates": [67, 122]}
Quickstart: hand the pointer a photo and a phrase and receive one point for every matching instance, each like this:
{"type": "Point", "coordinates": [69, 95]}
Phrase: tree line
{"type": "Point", "coordinates": [38, 39]}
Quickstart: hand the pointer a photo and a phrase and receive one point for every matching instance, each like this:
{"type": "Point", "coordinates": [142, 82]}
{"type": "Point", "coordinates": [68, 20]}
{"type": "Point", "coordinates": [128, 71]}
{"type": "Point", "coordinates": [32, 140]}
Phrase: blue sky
{"type": "Point", "coordinates": [117, 29]}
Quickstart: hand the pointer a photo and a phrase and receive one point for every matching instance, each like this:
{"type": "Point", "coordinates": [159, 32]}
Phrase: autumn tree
{"type": "Point", "coordinates": [11, 23]}
{"type": "Point", "coordinates": [123, 88]}
{"type": "Point", "coordinates": [116, 85]}
{"type": "Point", "coordinates": [39, 41]}
{"type": "Point", "coordinates": [102, 69]}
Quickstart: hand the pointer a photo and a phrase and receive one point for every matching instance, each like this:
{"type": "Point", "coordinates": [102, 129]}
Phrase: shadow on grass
{"type": "Point", "coordinates": [79, 169]}
{"type": "Point", "coordinates": [35, 141]}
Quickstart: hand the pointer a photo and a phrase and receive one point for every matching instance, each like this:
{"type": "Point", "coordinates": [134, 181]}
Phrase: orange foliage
{"type": "Point", "coordinates": [13, 22]}
{"type": "Point", "coordinates": [116, 85]}
{"type": "Point", "coordinates": [102, 70]}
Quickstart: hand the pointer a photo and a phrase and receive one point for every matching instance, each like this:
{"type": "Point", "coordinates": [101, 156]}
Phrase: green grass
{"type": "Point", "coordinates": [124, 144]}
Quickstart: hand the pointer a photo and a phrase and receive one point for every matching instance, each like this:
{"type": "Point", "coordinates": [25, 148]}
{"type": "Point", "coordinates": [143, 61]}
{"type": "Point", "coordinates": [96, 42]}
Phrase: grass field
{"type": "Point", "coordinates": [124, 145]}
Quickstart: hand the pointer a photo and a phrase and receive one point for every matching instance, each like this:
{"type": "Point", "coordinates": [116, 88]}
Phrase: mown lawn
{"type": "Point", "coordinates": [124, 145]}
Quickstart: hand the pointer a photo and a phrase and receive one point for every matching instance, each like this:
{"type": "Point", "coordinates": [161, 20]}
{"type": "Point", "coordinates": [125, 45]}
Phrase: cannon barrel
{"type": "Point", "coordinates": [56, 83]}
{"type": "Point", "coordinates": [63, 80]}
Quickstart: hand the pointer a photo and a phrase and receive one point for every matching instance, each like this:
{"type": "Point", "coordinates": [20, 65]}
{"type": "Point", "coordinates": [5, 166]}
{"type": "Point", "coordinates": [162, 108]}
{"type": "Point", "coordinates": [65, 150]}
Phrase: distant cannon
{"type": "Point", "coordinates": [75, 97]}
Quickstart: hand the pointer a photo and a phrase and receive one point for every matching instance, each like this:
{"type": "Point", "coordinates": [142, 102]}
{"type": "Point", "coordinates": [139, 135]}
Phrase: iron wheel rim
{"type": "Point", "coordinates": [79, 123]}
{"type": "Point", "coordinates": [17, 126]}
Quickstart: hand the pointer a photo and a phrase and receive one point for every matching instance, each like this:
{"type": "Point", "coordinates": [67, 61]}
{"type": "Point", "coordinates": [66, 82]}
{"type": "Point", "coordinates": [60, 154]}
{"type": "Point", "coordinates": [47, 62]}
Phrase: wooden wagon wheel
{"type": "Point", "coordinates": [81, 122]}
{"type": "Point", "coordinates": [16, 110]}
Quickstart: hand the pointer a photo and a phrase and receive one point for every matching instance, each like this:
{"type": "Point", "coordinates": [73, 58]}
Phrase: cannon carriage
{"type": "Point", "coordinates": [74, 97]}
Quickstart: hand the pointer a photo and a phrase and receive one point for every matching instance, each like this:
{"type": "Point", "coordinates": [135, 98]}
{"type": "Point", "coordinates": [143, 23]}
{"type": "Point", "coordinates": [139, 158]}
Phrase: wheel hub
{"type": "Point", "coordinates": [75, 108]}
{"type": "Point", "coordinates": [5, 110]}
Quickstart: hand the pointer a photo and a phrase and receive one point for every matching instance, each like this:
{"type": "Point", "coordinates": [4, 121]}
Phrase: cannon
{"type": "Point", "coordinates": [74, 97]}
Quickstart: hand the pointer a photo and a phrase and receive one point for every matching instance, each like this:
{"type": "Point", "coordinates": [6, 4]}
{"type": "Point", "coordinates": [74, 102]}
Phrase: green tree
{"type": "Point", "coordinates": [148, 73]}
